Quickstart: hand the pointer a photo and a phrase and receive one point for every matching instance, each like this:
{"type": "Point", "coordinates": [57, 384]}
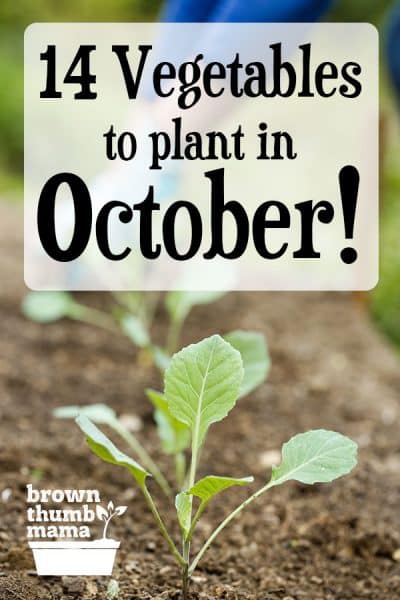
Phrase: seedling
{"type": "Point", "coordinates": [112, 590]}
{"type": "Point", "coordinates": [202, 384]}
{"type": "Point", "coordinates": [174, 435]}
{"type": "Point", "coordinates": [131, 313]}
{"type": "Point", "coordinates": [106, 514]}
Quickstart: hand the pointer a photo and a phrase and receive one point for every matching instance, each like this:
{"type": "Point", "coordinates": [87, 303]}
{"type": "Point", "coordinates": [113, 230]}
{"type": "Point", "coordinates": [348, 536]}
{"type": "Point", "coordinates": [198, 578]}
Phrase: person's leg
{"type": "Point", "coordinates": [270, 11]}
{"type": "Point", "coordinates": [256, 11]}
{"type": "Point", "coordinates": [393, 46]}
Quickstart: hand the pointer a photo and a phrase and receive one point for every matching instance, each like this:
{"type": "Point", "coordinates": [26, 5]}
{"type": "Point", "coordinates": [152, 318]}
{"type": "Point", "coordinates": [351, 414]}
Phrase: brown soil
{"type": "Point", "coordinates": [331, 369]}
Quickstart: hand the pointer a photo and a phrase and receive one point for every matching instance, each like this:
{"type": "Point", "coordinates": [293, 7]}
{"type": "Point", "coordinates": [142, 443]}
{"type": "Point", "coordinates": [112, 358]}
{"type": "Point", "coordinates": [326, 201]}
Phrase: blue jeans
{"type": "Point", "coordinates": [244, 11]}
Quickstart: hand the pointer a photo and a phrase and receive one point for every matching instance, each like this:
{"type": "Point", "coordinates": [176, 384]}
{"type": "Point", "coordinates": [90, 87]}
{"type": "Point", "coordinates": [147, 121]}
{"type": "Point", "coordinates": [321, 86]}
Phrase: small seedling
{"type": "Point", "coordinates": [112, 590]}
{"type": "Point", "coordinates": [175, 435]}
{"type": "Point", "coordinates": [131, 313]}
{"type": "Point", "coordinates": [48, 307]}
{"type": "Point", "coordinates": [106, 514]}
{"type": "Point", "coordinates": [202, 384]}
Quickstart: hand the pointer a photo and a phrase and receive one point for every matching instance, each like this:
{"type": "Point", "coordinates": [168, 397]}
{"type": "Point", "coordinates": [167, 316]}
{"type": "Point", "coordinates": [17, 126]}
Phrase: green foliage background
{"type": "Point", "coordinates": [358, 11]}
{"type": "Point", "coordinates": [15, 15]}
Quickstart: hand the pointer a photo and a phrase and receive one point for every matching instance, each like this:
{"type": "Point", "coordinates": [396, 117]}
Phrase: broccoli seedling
{"type": "Point", "coordinates": [202, 384]}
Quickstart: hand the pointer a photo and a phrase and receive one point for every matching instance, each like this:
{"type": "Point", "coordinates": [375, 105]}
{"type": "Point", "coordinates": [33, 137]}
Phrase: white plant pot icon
{"type": "Point", "coordinates": [79, 557]}
{"type": "Point", "coordinates": [75, 558]}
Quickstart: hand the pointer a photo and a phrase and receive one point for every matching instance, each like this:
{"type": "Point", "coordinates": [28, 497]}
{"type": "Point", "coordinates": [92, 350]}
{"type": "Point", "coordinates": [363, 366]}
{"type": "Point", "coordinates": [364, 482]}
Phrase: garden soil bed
{"type": "Point", "coordinates": [331, 369]}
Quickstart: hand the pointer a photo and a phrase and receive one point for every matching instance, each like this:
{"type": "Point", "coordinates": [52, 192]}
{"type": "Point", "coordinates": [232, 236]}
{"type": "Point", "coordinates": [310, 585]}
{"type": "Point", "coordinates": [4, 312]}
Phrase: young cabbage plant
{"type": "Point", "coordinates": [132, 314]}
{"type": "Point", "coordinates": [179, 304]}
{"type": "Point", "coordinates": [48, 307]}
{"type": "Point", "coordinates": [202, 384]}
{"type": "Point", "coordinates": [173, 434]}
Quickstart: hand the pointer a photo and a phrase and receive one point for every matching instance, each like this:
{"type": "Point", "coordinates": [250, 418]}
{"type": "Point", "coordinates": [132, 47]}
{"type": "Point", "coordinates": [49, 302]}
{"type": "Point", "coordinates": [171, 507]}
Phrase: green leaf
{"type": "Point", "coordinates": [256, 361]}
{"type": "Point", "coordinates": [315, 457]}
{"type": "Point", "coordinates": [105, 449]}
{"type": "Point", "coordinates": [183, 507]}
{"type": "Point", "coordinates": [47, 307]}
{"type": "Point", "coordinates": [174, 435]}
{"type": "Point", "coordinates": [202, 384]}
{"type": "Point", "coordinates": [135, 330]}
{"type": "Point", "coordinates": [129, 300]}
{"type": "Point", "coordinates": [211, 485]}
{"type": "Point", "coordinates": [158, 400]}
{"type": "Point", "coordinates": [98, 413]}
{"type": "Point", "coordinates": [112, 590]}
{"type": "Point", "coordinates": [180, 303]}
{"type": "Point", "coordinates": [174, 438]}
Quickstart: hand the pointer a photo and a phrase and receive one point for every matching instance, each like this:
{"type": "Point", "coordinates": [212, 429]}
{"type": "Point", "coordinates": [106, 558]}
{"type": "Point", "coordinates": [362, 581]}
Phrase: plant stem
{"type": "Point", "coordinates": [151, 307]}
{"type": "Point", "coordinates": [225, 522]}
{"type": "Point", "coordinates": [128, 300]}
{"type": "Point", "coordinates": [192, 475]}
{"type": "Point", "coordinates": [185, 582]}
{"type": "Point", "coordinates": [106, 526]}
{"type": "Point", "coordinates": [195, 519]}
{"type": "Point", "coordinates": [173, 335]}
{"type": "Point", "coordinates": [144, 457]}
{"type": "Point", "coordinates": [185, 569]}
{"type": "Point", "coordinates": [92, 316]}
{"type": "Point", "coordinates": [162, 527]}
{"type": "Point", "coordinates": [186, 542]}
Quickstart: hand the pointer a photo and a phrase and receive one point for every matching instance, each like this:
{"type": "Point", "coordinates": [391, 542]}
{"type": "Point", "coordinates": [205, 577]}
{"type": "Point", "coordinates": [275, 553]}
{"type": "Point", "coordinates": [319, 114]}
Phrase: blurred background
{"type": "Point", "coordinates": [384, 302]}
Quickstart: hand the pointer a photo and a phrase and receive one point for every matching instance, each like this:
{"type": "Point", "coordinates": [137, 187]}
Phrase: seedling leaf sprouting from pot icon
{"type": "Point", "coordinates": [106, 514]}
{"type": "Point", "coordinates": [202, 384]}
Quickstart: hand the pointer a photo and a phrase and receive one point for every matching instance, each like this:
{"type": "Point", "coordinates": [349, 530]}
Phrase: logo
{"type": "Point", "coordinates": [59, 524]}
